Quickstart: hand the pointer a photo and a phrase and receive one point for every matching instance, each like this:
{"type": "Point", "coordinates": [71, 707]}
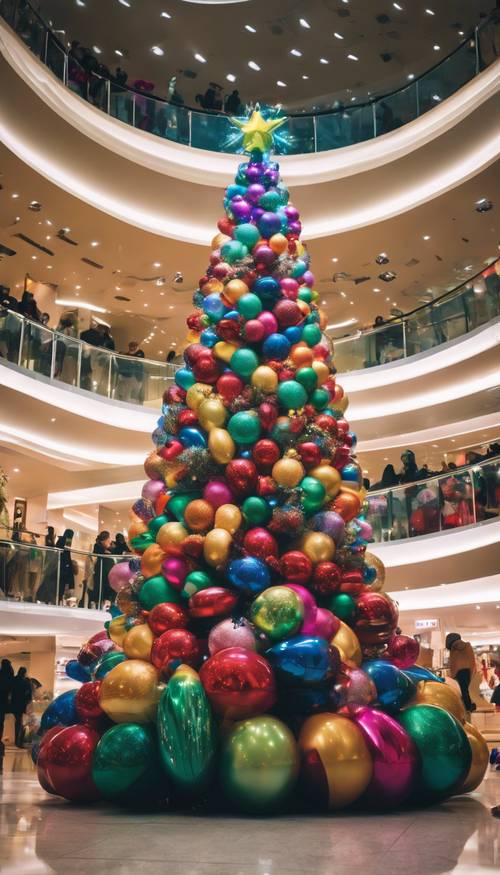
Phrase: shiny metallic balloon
{"type": "Point", "coordinates": [354, 687]}
{"type": "Point", "coordinates": [442, 695]}
{"type": "Point", "coordinates": [60, 712]}
{"type": "Point", "coordinates": [130, 692]}
{"type": "Point", "coordinates": [348, 645]}
{"type": "Point", "coordinates": [126, 766]}
{"type": "Point", "coordinates": [303, 661]}
{"type": "Point", "coordinates": [394, 688]}
{"type": "Point", "coordinates": [480, 759]}
{"type": "Point", "coordinates": [66, 760]}
{"type": "Point", "coordinates": [239, 683]}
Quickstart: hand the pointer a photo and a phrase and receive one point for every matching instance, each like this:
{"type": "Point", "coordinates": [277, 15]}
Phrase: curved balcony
{"type": "Point", "coordinates": [213, 131]}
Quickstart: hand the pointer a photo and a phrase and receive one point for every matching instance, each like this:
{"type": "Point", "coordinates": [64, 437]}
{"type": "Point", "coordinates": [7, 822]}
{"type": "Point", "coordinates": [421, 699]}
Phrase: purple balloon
{"type": "Point", "coordinates": [152, 489]}
{"type": "Point", "coordinates": [269, 224]}
{"type": "Point", "coordinates": [365, 530]}
{"type": "Point", "coordinates": [253, 172]}
{"type": "Point", "coordinates": [241, 210]}
{"type": "Point", "coordinates": [175, 570]}
{"type": "Point", "coordinates": [308, 278]}
{"type": "Point", "coordinates": [327, 624]}
{"type": "Point", "coordinates": [254, 192]}
{"type": "Point", "coordinates": [217, 493]}
{"type": "Point", "coordinates": [143, 508]}
{"type": "Point", "coordinates": [295, 227]}
{"type": "Point", "coordinates": [395, 757]}
{"type": "Point", "coordinates": [264, 254]}
{"type": "Point", "coordinates": [119, 575]}
{"type": "Point", "coordinates": [291, 213]}
{"type": "Point", "coordinates": [271, 177]}
{"type": "Point", "coordinates": [257, 212]}
{"type": "Point", "coordinates": [309, 623]}
{"type": "Point", "coordinates": [231, 633]}
{"type": "Point", "coordinates": [330, 523]}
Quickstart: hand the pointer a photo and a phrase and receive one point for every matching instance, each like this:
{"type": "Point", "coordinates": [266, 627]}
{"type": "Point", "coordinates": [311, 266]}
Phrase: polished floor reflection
{"type": "Point", "coordinates": [41, 835]}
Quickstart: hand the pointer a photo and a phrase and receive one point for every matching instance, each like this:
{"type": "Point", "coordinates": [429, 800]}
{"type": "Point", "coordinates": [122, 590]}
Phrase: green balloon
{"type": "Point", "coordinates": [178, 503]}
{"type": "Point", "coordinates": [186, 731]}
{"type": "Point", "coordinates": [195, 581]}
{"type": "Point", "coordinates": [105, 663]}
{"type": "Point", "coordinates": [233, 251]}
{"type": "Point", "coordinates": [319, 398]}
{"type": "Point", "coordinates": [305, 295]}
{"type": "Point", "coordinates": [443, 746]}
{"type": "Point", "coordinates": [156, 523]}
{"type": "Point", "coordinates": [249, 306]}
{"type": "Point", "coordinates": [270, 200]}
{"type": "Point", "coordinates": [343, 606]}
{"type": "Point", "coordinates": [259, 764]}
{"type": "Point", "coordinates": [311, 334]}
{"type": "Point", "coordinates": [142, 542]}
{"type": "Point", "coordinates": [256, 510]}
{"type": "Point", "coordinates": [299, 268]}
{"type": "Point", "coordinates": [247, 234]}
{"type": "Point", "coordinates": [307, 377]}
{"type": "Point", "coordinates": [313, 490]}
{"type": "Point", "coordinates": [244, 427]}
{"type": "Point", "coordinates": [125, 766]}
{"type": "Point", "coordinates": [244, 362]}
{"type": "Point", "coordinates": [156, 590]}
{"type": "Point", "coordinates": [278, 612]}
{"type": "Point", "coordinates": [291, 395]}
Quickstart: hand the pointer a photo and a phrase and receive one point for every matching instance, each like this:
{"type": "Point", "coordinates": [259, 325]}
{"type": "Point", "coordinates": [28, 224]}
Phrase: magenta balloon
{"type": "Point", "coordinates": [152, 489]}
{"type": "Point", "coordinates": [327, 624]}
{"type": "Point", "coordinates": [365, 530]}
{"type": "Point", "coordinates": [395, 757]}
{"type": "Point", "coordinates": [175, 570]}
{"type": "Point", "coordinates": [119, 575]}
{"type": "Point", "coordinates": [289, 287]}
{"type": "Point", "coordinates": [217, 493]}
{"type": "Point", "coordinates": [231, 633]}
{"type": "Point", "coordinates": [269, 322]}
{"type": "Point", "coordinates": [355, 687]}
{"type": "Point", "coordinates": [309, 622]}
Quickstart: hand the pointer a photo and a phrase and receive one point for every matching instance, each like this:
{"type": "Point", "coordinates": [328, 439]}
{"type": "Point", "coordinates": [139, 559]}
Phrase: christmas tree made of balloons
{"type": "Point", "coordinates": [252, 656]}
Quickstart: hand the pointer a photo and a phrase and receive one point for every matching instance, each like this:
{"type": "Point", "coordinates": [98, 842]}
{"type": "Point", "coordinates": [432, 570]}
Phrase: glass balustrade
{"type": "Point", "coordinates": [343, 126]}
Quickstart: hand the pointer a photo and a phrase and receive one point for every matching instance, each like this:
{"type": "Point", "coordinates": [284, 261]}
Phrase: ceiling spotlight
{"type": "Point", "coordinates": [484, 205]}
{"type": "Point", "coordinates": [165, 15]}
{"type": "Point", "coordinates": [231, 77]}
{"type": "Point", "coordinates": [462, 33]}
{"type": "Point", "coordinates": [430, 12]}
{"type": "Point", "coordinates": [376, 290]}
{"type": "Point", "coordinates": [80, 3]}
{"type": "Point", "coordinates": [304, 76]}
{"type": "Point", "coordinates": [200, 58]}
{"type": "Point", "coordinates": [410, 76]}
{"type": "Point", "coordinates": [387, 276]}
{"type": "Point", "coordinates": [16, 470]}
{"type": "Point", "coordinates": [35, 206]}
{"type": "Point", "coordinates": [304, 23]}
{"type": "Point", "coordinates": [119, 53]}
{"type": "Point", "coordinates": [436, 47]}
{"type": "Point", "coordinates": [97, 50]}
{"type": "Point", "coordinates": [296, 53]}
{"type": "Point", "coordinates": [157, 50]}
{"type": "Point", "coordinates": [94, 242]}
{"type": "Point", "coordinates": [338, 35]}
{"type": "Point", "coordinates": [382, 258]}
{"type": "Point", "coordinates": [250, 28]}
{"type": "Point", "coordinates": [281, 83]}
{"type": "Point", "coordinates": [398, 7]}
{"type": "Point", "coordinates": [324, 61]}
{"type": "Point", "coordinates": [426, 237]}
{"type": "Point", "coordinates": [352, 57]}
{"type": "Point", "coordinates": [14, 195]}
{"type": "Point", "coordinates": [156, 263]}
{"type": "Point", "coordinates": [253, 65]}
{"type": "Point", "coordinates": [124, 3]}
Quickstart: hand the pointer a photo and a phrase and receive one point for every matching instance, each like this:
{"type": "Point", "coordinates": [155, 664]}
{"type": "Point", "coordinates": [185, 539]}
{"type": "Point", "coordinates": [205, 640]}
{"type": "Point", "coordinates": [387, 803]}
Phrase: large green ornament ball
{"type": "Point", "coordinates": [156, 590]}
{"type": "Point", "coordinates": [244, 427]}
{"type": "Point", "coordinates": [178, 503]}
{"type": "Point", "coordinates": [233, 251]}
{"type": "Point", "coordinates": [256, 511]}
{"type": "Point", "coordinates": [311, 334]}
{"type": "Point", "coordinates": [319, 398]}
{"type": "Point", "coordinates": [306, 295]}
{"type": "Point", "coordinates": [102, 666]}
{"type": "Point", "coordinates": [195, 581]}
{"type": "Point", "coordinates": [126, 766]}
{"type": "Point", "coordinates": [291, 395]}
{"type": "Point", "coordinates": [247, 234]}
{"type": "Point", "coordinates": [278, 612]}
{"type": "Point", "coordinates": [259, 764]}
{"type": "Point", "coordinates": [307, 377]}
{"type": "Point", "coordinates": [445, 752]}
{"type": "Point", "coordinates": [314, 492]}
{"type": "Point", "coordinates": [249, 306]}
{"type": "Point", "coordinates": [343, 606]}
{"type": "Point", "coordinates": [244, 362]}
{"type": "Point", "coordinates": [156, 523]}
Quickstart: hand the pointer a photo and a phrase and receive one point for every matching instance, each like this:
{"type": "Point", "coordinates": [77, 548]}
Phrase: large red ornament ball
{"type": "Point", "coordinates": [174, 395]}
{"type": "Point", "coordinates": [241, 476]}
{"type": "Point", "coordinates": [265, 453]}
{"type": "Point", "coordinates": [212, 602]}
{"type": "Point", "coordinates": [376, 618]}
{"type": "Point", "coordinates": [310, 454]}
{"type": "Point", "coordinates": [403, 651]}
{"type": "Point", "coordinates": [94, 648]}
{"type": "Point", "coordinates": [174, 647]}
{"type": "Point", "coordinates": [239, 683]}
{"type": "Point", "coordinates": [326, 423]}
{"type": "Point", "coordinates": [228, 330]}
{"type": "Point", "coordinates": [342, 426]}
{"type": "Point", "coordinates": [287, 313]}
{"type": "Point", "coordinates": [186, 417]}
{"type": "Point", "coordinates": [225, 226]}
{"type": "Point", "coordinates": [296, 567]}
{"type": "Point", "coordinates": [260, 543]}
{"type": "Point", "coordinates": [266, 486]}
{"type": "Point", "coordinates": [206, 368]}
{"type": "Point", "coordinates": [326, 578]}
{"type": "Point", "coordinates": [229, 386]}
{"type": "Point", "coordinates": [87, 703]}
{"type": "Point", "coordinates": [66, 763]}
{"type": "Point", "coordinates": [171, 450]}
{"type": "Point", "coordinates": [254, 331]}
{"type": "Point", "coordinates": [165, 616]}
{"type": "Point", "coordinates": [352, 582]}
{"type": "Point", "coordinates": [41, 760]}
{"type": "Point", "coordinates": [193, 352]}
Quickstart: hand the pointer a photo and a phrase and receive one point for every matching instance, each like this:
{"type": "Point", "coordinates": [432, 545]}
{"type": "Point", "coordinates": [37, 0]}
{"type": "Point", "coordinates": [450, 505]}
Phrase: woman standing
{"type": "Point", "coordinates": [102, 589]}
{"type": "Point", "coordinates": [121, 545]}
{"type": "Point", "coordinates": [22, 694]}
{"type": "Point", "coordinates": [6, 682]}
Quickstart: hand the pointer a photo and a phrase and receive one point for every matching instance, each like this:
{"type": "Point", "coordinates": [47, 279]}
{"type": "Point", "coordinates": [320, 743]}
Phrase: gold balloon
{"type": "Point", "coordinates": [323, 319]}
{"type": "Point", "coordinates": [212, 413]}
{"type": "Point", "coordinates": [235, 290]}
{"type": "Point", "coordinates": [228, 517]}
{"type": "Point", "coordinates": [344, 756]}
{"type": "Point", "coordinates": [442, 695]}
{"type": "Point", "coordinates": [303, 307]}
{"type": "Point", "coordinates": [480, 759]}
{"type": "Point", "coordinates": [192, 337]}
{"type": "Point", "coordinates": [212, 286]}
{"type": "Point", "coordinates": [265, 379]}
{"type": "Point", "coordinates": [377, 563]}
{"type": "Point", "coordinates": [347, 643]}
{"type": "Point", "coordinates": [221, 445]}
{"type": "Point", "coordinates": [151, 560]}
{"type": "Point", "coordinates": [342, 404]}
{"type": "Point", "coordinates": [175, 473]}
{"type": "Point", "coordinates": [219, 240]}
{"type": "Point", "coordinates": [329, 477]}
{"type": "Point", "coordinates": [278, 243]}
{"type": "Point", "coordinates": [216, 547]}
{"type": "Point", "coordinates": [130, 692]}
{"type": "Point", "coordinates": [288, 472]}
{"type": "Point", "coordinates": [199, 515]}
{"type": "Point", "coordinates": [299, 248]}
{"type": "Point", "coordinates": [170, 538]}
{"type": "Point", "coordinates": [117, 630]}
{"type": "Point", "coordinates": [126, 600]}
{"type": "Point", "coordinates": [138, 642]}
{"type": "Point", "coordinates": [224, 350]}
{"type": "Point", "coordinates": [321, 370]}
{"type": "Point", "coordinates": [196, 394]}
{"type": "Point", "coordinates": [318, 546]}
{"type": "Point", "coordinates": [155, 466]}
{"type": "Point", "coordinates": [137, 528]}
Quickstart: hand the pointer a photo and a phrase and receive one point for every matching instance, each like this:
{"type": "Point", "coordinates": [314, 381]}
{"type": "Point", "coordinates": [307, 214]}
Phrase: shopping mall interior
{"type": "Point", "coordinates": [250, 580]}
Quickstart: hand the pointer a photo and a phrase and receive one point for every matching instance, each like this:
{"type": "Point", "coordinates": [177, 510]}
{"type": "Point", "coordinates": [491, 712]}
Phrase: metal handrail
{"type": "Point", "coordinates": [467, 468]}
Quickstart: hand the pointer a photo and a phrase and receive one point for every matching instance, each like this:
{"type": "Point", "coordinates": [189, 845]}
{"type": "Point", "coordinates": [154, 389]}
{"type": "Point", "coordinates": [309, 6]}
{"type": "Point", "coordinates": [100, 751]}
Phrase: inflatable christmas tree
{"type": "Point", "coordinates": [252, 656]}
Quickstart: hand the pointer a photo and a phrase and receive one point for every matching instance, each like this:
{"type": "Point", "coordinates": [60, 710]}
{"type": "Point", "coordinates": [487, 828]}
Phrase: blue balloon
{"type": "Point", "coordinates": [369, 574]}
{"type": "Point", "coordinates": [418, 673]}
{"type": "Point", "coordinates": [192, 437]}
{"type": "Point", "coordinates": [269, 224]}
{"type": "Point", "coordinates": [234, 189]}
{"type": "Point", "coordinates": [185, 378]}
{"type": "Point", "coordinates": [214, 307]}
{"type": "Point", "coordinates": [293, 334]}
{"type": "Point", "coordinates": [77, 672]}
{"type": "Point", "coordinates": [268, 289]}
{"type": "Point", "coordinates": [351, 473]}
{"type": "Point", "coordinates": [250, 575]}
{"type": "Point", "coordinates": [353, 437]}
{"type": "Point", "coordinates": [276, 346]}
{"type": "Point", "coordinates": [61, 711]}
{"type": "Point", "coordinates": [232, 314]}
{"type": "Point", "coordinates": [303, 660]}
{"type": "Point", "coordinates": [209, 337]}
{"type": "Point", "coordinates": [394, 689]}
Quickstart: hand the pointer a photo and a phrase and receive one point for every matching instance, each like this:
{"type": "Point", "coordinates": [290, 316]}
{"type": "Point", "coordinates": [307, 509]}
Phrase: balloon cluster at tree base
{"type": "Point", "coordinates": [251, 648]}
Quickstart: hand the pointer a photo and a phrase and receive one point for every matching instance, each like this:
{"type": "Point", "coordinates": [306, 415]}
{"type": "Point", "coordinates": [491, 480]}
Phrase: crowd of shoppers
{"type": "Point", "coordinates": [16, 693]}
{"type": "Point", "coordinates": [411, 472]}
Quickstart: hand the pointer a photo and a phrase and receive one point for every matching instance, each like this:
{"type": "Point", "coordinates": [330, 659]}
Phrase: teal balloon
{"type": "Point", "coordinates": [178, 503]}
{"type": "Point", "coordinates": [102, 666]}
{"type": "Point", "coordinates": [125, 766]}
{"type": "Point", "coordinates": [256, 511]}
{"type": "Point", "coordinates": [244, 362]}
{"type": "Point", "coordinates": [186, 732]}
{"type": "Point", "coordinates": [343, 606]}
{"type": "Point", "coordinates": [291, 395]}
{"type": "Point", "coordinates": [156, 523]}
{"type": "Point", "coordinates": [233, 251]}
{"type": "Point", "coordinates": [244, 427]}
{"type": "Point", "coordinates": [156, 590]}
{"type": "Point", "coordinates": [445, 752]}
{"type": "Point", "coordinates": [311, 334]}
{"type": "Point", "coordinates": [247, 234]}
{"type": "Point", "coordinates": [249, 306]}
{"type": "Point", "coordinates": [299, 268]}
{"type": "Point", "coordinates": [195, 581]}
{"type": "Point", "coordinates": [185, 378]}
{"type": "Point", "coordinates": [270, 200]}
{"type": "Point", "coordinates": [307, 377]}
{"type": "Point", "coordinates": [319, 398]}
{"type": "Point", "coordinates": [305, 295]}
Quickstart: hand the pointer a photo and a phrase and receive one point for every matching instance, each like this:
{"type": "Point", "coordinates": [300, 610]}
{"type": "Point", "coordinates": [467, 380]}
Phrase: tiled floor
{"type": "Point", "coordinates": [41, 835]}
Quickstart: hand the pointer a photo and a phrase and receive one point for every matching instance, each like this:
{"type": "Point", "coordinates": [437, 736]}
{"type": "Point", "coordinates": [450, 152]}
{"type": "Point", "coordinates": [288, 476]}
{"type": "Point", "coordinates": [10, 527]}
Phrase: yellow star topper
{"type": "Point", "coordinates": [257, 132]}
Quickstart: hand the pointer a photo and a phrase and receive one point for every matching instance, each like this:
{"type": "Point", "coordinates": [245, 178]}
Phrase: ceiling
{"type": "Point", "coordinates": [130, 272]}
{"type": "Point", "coordinates": [387, 41]}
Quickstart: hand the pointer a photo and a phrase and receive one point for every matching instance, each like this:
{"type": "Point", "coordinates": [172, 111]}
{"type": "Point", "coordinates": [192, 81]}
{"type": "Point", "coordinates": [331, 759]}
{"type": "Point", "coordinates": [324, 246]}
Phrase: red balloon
{"type": "Point", "coordinates": [171, 450]}
{"type": "Point", "coordinates": [228, 330]}
{"type": "Point", "coordinates": [320, 352]}
{"type": "Point", "coordinates": [186, 417]}
{"type": "Point", "coordinates": [341, 457]}
{"type": "Point", "coordinates": [347, 504]}
{"type": "Point", "coordinates": [214, 601]}
{"type": "Point", "coordinates": [266, 486]}
{"type": "Point", "coordinates": [342, 426]}
{"type": "Point", "coordinates": [352, 582]}
{"type": "Point", "coordinates": [221, 268]}
{"type": "Point", "coordinates": [376, 618]}
{"type": "Point", "coordinates": [239, 683]}
{"type": "Point", "coordinates": [93, 649]}
{"type": "Point", "coordinates": [229, 386]}
{"type": "Point", "coordinates": [254, 331]}
{"type": "Point", "coordinates": [41, 760]}
{"type": "Point", "coordinates": [67, 763]}
{"type": "Point", "coordinates": [87, 704]}
{"type": "Point", "coordinates": [206, 368]}
{"type": "Point", "coordinates": [265, 453]}
{"type": "Point", "coordinates": [326, 423]}
{"type": "Point", "coordinates": [268, 414]}
{"type": "Point", "coordinates": [241, 476]}
{"type": "Point", "coordinates": [287, 313]}
{"type": "Point", "coordinates": [310, 454]}
{"type": "Point", "coordinates": [174, 647]}
{"type": "Point", "coordinates": [403, 651]}
{"type": "Point", "coordinates": [225, 226]}
{"type": "Point", "coordinates": [296, 567]}
{"type": "Point", "coordinates": [166, 616]}
{"type": "Point", "coordinates": [326, 578]}
{"type": "Point", "coordinates": [193, 351]}
{"type": "Point", "coordinates": [259, 542]}
{"type": "Point", "coordinates": [174, 395]}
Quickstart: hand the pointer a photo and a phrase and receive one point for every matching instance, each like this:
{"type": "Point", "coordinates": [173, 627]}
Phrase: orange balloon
{"type": "Point", "coordinates": [213, 286]}
{"type": "Point", "coordinates": [155, 466]}
{"type": "Point", "coordinates": [301, 355]}
{"type": "Point", "coordinates": [161, 503]}
{"type": "Point", "coordinates": [347, 504]}
{"type": "Point", "coordinates": [234, 290]}
{"type": "Point", "coordinates": [323, 319]}
{"type": "Point", "coordinates": [303, 307]}
{"type": "Point", "coordinates": [151, 560]}
{"type": "Point", "coordinates": [199, 515]}
{"type": "Point", "coordinates": [137, 528]}
{"type": "Point", "coordinates": [278, 243]}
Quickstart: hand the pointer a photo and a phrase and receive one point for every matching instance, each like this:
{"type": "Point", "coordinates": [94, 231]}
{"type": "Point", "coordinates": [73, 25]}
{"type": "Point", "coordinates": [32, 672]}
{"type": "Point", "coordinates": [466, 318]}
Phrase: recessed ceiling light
{"type": "Point", "coordinates": [80, 3]}
{"type": "Point", "coordinates": [296, 53]}
{"type": "Point", "coordinates": [436, 98]}
{"type": "Point", "coordinates": [281, 83]}
{"type": "Point", "coordinates": [436, 47]}
{"type": "Point", "coordinates": [352, 57]}
{"type": "Point", "coordinates": [124, 3]}
{"type": "Point", "coordinates": [146, 305]}
{"type": "Point", "coordinates": [343, 295]}
{"type": "Point", "coordinates": [304, 76]}
{"type": "Point", "coordinates": [253, 65]}
{"type": "Point", "coordinates": [430, 12]}
{"type": "Point", "coordinates": [157, 50]}
{"type": "Point", "coordinates": [77, 287]}
{"type": "Point", "coordinates": [200, 58]}
{"type": "Point", "coordinates": [304, 23]}
{"type": "Point", "coordinates": [16, 470]}
{"type": "Point", "coordinates": [410, 76]}
{"type": "Point", "coordinates": [119, 53]}
{"type": "Point", "coordinates": [49, 267]}
{"type": "Point", "coordinates": [338, 35]}
{"type": "Point", "coordinates": [53, 419]}
{"type": "Point", "coordinates": [250, 28]}
{"type": "Point", "coordinates": [335, 259]}
{"type": "Point", "coordinates": [231, 77]}
{"type": "Point", "coordinates": [94, 242]}
{"type": "Point", "coordinates": [478, 607]}
{"type": "Point", "coordinates": [462, 33]}
{"type": "Point", "coordinates": [376, 290]}
{"type": "Point", "coordinates": [34, 257]}
{"type": "Point", "coordinates": [398, 7]}
{"type": "Point", "coordinates": [323, 61]}
{"type": "Point", "coordinates": [156, 263]}
{"type": "Point", "coordinates": [426, 237]}
{"type": "Point", "coordinates": [165, 15]}
{"type": "Point", "coordinates": [14, 195]}
{"type": "Point", "coordinates": [97, 50]}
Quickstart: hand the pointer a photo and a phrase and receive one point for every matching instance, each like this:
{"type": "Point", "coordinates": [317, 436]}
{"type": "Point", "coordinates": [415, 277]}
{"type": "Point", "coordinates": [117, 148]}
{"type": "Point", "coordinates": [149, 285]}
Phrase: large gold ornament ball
{"type": "Point", "coordinates": [347, 643]}
{"type": "Point", "coordinates": [228, 517]}
{"type": "Point", "coordinates": [480, 759]}
{"type": "Point", "coordinates": [265, 379]}
{"type": "Point", "coordinates": [318, 547]}
{"type": "Point", "coordinates": [235, 290]}
{"type": "Point", "coordinates": [442, 695]}
{"type": "Point", "coordinates": [216, 547]}
{"type": "Point", "coordinates": [170, 538]}
{"type": "Point", "coordinates": [130, 692]}
{"type": "Point", "coordinates": [329, 477]}
{"type": "Point", "coordinates": [138, 642]}
{"type": "Point", "coordinates": [221, 445]}
{"type": "Point", "coordinates": [288, 472]}
{"type": "Point", "coordinates": [199, 515]}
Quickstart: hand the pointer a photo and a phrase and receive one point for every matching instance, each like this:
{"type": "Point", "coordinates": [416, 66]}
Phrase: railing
{"type": "Point", "coordinates": [301, 134]}
{"type": "Point", "coordinates": [468, 495]}
{"type": "Point", "coordinates": [48, 575]}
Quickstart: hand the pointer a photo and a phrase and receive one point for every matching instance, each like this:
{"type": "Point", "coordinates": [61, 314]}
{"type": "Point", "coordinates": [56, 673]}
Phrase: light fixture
{"type": "Point", "coordinates": [352, 57]}
{"type": "Point", "coordinates": [338, 35]}
{"type": "Point", "coordinates": [97, 50]}
{"type": "Point", "coordinates": [478, 607]}
{"type": "Point", "coordinates": [376, 290]}
{"type": "Point", "coordinates": [156, 264]}
{"type": "Point", "coordinates": [80, 3]}
{"type": "Point", "coordinates": [430, 12]}
{"type": "Point", "coordinates": [253, 65]}
{"type": "Point", "coordinates": [410, 76]}
{"type": "Point", "coordinates": [231, 77]}
{"type": "Point", "coordinates": [304, 23]}
{"type": "Point", "coordinates": [119, 53]}
{"type": "Point", "coordinates": [94, 242]}
{"type": "Point", "coordinates": [200, 58]}
{"type": "Point", "coordinates": [426, 237]}
{"type": "Point", "coordinates": [398, 7]}
{"type": "Point", "coordinates": [436, 47]}
{"type": "Point", "coordinates": [281, 83]}
{"type": "Point", "coordinates": [304, 76]}
{"type": "Point", "coordinates": [345, 324]}
{"type": "Point", "coordinates": [124, 3]}
{"type": "Point", "coordinates": [165, 15]}
{"type": "Point", "coordinates": [462, 33]}
{"type": "Point", "coordinates": [157, 51]}
{"type": "Point", "coordinates": [250, 28]}
{"type": "Point", "coordinates": [14, 195]}
{"type": "Point", "coordinates": [34, 257]}
{"type": "Point", "coordinates": [296, 53]}
{"type": "Point", "coordinates": [323, 61]}
{"type": "Point", "coordinates": [84, 305]}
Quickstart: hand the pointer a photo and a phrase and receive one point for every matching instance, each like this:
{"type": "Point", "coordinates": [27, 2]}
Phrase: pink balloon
{"type": "Point", "coordinates": [309, 623]}
{"type": "Point", "coordinates": [217, 493]}
{"type": "Point", "coordinates": [152, 489]}
{"type": "Point", "coordinates": [231, 633]}
{"type": "Point", "coordinates": [365, 530]}
{"type": "Point", "coordinates": [269, 322]}
{"type": "Point", "coordinates": [175, 570]}
{"type": "Point", "coordinates": [327, 624]}
{"type": "Point", "coordinates": [119, 575]}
